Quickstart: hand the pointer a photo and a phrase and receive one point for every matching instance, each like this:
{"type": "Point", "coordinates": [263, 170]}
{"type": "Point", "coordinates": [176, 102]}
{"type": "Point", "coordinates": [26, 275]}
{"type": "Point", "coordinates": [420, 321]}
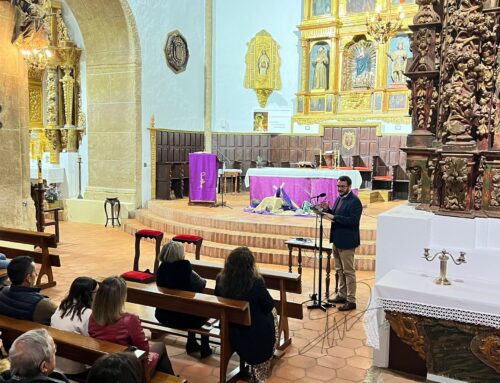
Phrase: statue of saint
{"type": "Point", "coordinates": [320, 64]}
{"type": "Point", "coordinates": [263, 63]}
{"type": "Point", "coordinates": [399, 57]}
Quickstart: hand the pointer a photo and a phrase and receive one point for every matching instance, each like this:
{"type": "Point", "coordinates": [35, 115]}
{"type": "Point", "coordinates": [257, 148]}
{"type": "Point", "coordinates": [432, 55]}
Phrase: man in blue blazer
{"type": "Point", "coordinates": [344, 235]}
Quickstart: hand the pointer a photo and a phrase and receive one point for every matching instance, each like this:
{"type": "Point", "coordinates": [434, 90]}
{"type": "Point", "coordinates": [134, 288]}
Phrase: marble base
{"type": "Point", "coordinates": [91, 211]}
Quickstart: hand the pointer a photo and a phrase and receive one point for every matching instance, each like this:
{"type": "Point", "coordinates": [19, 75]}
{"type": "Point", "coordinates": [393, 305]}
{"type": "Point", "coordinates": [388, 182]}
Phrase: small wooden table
{"type": "Point", "coordinates": [308, 244]}
{"type": "Point", "coordinates": [230, 173]}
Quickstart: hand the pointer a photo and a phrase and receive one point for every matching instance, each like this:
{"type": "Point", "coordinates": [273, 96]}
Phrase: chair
{"type": "Point", "coordinates": [145, 276]}
{"type": "Point", "coordinates": [188, 238]}
{"type": "Point", "coordinates": [54, 221]}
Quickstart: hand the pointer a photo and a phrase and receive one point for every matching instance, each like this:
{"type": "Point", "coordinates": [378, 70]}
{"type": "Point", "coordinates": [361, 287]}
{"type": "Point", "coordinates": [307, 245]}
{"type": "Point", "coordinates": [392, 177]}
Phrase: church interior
{"type": "Point", "coordinates": [220, 124]}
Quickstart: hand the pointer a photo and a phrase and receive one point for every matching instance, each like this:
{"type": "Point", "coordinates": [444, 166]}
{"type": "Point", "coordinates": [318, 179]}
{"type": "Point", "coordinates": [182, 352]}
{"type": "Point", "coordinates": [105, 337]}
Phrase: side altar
{"type": "Point", "coordinates": [453, 330]}
{"type": "Point", "coordinates": [300, 184]}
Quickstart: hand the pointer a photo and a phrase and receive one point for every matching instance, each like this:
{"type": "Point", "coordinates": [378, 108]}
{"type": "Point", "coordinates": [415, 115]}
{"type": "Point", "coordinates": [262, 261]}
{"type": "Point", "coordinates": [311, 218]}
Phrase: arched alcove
{"type": "Point", "coordinates": [113, 66]}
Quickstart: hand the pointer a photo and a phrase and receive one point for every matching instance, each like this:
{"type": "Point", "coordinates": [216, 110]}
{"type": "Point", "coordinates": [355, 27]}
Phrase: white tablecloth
{"type": "Point", "coordinates": [53, 175]}
{"type": "Point", "coordinates": [467, 301]}
{"type": "Point", "coordinates": [355, 175]}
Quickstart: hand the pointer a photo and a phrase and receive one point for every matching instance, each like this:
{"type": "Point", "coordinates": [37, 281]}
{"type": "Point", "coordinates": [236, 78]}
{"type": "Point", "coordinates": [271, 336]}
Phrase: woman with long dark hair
{"type": "Point", "coordinates": [73, 315]}
{"type": "Point", "coordinates": [255, 344]}
{"type": "Point", "coordinates": [122, 367]}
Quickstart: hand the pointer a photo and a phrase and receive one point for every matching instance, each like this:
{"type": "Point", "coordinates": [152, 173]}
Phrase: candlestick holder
{"type": "Point", "coordinates": [444, 256]}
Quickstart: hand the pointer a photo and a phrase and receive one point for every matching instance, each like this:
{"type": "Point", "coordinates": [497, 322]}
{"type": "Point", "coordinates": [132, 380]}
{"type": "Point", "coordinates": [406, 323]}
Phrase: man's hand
{"type": "Point", "coordinates": [324, 205]}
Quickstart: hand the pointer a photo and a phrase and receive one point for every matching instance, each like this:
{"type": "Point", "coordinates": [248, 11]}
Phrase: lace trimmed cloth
{"type": "Point", "coordinates": [471, 301]}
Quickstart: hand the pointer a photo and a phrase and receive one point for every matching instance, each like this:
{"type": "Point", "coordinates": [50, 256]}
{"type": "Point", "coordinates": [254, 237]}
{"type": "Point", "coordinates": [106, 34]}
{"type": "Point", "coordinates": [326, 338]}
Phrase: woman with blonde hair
{"type": "Point", "coordinates": [110, 322]}
{"type": "Point", "coordinates": [255, 344]}
{"type": "Point", "coordinates": [175, 272]}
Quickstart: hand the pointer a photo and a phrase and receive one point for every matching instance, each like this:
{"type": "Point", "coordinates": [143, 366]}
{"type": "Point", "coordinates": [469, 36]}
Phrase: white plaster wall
{"type": "Point", "coordinates": [177, 101]}
{"type": "Point", "coordinates": [236, 22]}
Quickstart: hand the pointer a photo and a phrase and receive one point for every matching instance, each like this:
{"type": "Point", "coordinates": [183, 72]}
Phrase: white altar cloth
{"type": "Point", "coordinates": [354, 175]}
{"type": "Point", "coordinates": [53, 175]}
{"type": "Point", "coordinates": [468, 301]}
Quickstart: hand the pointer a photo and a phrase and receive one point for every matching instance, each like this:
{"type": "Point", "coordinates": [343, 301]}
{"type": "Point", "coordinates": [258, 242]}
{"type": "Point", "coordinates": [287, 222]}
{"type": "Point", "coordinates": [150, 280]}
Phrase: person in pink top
{"type": "Point", "coordinates": [109, 322]}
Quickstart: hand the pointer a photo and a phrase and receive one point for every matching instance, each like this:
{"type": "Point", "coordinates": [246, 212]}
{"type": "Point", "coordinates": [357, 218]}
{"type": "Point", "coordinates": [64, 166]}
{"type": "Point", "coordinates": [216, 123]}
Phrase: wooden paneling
{"type": "Point", "coordinates": [172, 152]}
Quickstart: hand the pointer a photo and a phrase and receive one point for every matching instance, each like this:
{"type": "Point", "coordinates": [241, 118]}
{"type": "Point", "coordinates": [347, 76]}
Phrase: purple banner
{"type": "Point", "coordinates": [202, 177]}
{"type": "Point", "coordinates": [299, 189]}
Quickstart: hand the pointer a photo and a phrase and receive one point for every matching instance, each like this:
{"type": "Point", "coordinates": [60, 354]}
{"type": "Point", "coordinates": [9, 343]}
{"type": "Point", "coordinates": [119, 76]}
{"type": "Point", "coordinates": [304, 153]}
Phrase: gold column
{"type": "Point", "coordinates": [51, 131]}
{"type": "Point", "coordinates": [305, 66]}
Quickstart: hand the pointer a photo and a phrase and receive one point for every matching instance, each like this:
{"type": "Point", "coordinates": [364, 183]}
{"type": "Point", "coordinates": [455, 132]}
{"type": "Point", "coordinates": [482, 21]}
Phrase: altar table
{"type": "Point", "coordinates": [300, 184]}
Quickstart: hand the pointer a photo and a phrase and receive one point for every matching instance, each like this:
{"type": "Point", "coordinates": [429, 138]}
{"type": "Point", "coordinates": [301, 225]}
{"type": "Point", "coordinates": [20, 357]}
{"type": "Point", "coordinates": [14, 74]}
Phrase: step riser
{"type": "Point", "coordinates": [236, 239]}
{"type": "Point", "coordinates": [178, 226]}
{"type": "Point", "coordinates": [246, 227]}
{"type": "Point", "coordinates": [362, 261]}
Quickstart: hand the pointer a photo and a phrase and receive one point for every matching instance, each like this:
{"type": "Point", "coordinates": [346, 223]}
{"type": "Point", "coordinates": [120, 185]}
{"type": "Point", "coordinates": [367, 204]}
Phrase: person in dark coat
{"type": "Point", "coordinates": [175, 272]}
{"type": "Point", "coordinates": [344, 235]}
{"type": "Point", "coordinates": [255, 344]}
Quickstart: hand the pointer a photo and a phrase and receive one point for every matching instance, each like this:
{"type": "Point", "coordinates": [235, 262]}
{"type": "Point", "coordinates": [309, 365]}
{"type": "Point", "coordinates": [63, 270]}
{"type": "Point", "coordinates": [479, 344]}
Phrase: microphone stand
{"type": "Point", "coordinates": [318, 303]}
{"type": "Point", "coordinates": [314, 296]}
{"type": "Point", "coordinates": [222, 203]}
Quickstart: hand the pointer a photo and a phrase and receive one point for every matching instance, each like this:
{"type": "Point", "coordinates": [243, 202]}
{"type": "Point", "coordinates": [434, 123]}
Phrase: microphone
{"type": "Point", "coordinates": [320, 195]}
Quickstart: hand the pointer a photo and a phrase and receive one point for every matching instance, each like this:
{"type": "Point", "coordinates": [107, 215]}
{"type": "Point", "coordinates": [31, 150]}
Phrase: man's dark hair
{"type": "Point", "coordinates": [19, 268]}
{"type": "Point", "coordinates": [121, 367]}
{"type": "Point", "coordinates": [345, 179]}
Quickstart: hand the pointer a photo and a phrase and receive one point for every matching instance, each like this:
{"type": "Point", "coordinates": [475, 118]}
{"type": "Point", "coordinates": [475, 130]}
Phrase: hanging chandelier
{"type": "Point", "coordinates": [37, 58]}
{"type": "Point", "coordinates": [382, 27]}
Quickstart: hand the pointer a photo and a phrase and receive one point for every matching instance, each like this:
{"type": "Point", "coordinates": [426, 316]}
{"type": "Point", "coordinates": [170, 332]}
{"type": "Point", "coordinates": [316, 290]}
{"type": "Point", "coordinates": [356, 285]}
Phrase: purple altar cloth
{"type": "Point", "coordinates": [299, 189]}
{"type": "Point", "coordinates": [202, 177]}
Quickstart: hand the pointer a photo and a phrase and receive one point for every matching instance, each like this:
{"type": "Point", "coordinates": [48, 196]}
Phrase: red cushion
{"type": "Point", "coordinates": [138, 276]}
{"type": "Point", "coordinates": [383, 178]}
{"type": "Point", "coordinates": [344, 168]}
{"type": "Point", "coordinates": [148, 233]}
{"type": "Point", "coordinates": [187, 237]}
{"type": "Point", "coordinates": [362, 168]}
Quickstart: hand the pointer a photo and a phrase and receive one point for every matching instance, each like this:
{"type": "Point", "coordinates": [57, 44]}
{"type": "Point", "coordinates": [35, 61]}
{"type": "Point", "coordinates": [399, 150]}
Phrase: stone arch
{"type": "Point", "coordinates": [113, 79]}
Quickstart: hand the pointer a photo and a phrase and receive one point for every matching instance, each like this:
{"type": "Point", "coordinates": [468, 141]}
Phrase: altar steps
{"type": "Point", "coordinates": [368, 196]}
{"type": "Point", "coordinates": [225, 229]}
{"type": "Point", "coordinates": [277, 256]}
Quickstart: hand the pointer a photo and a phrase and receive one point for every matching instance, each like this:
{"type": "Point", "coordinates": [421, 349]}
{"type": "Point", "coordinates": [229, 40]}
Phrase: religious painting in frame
{"type": "Point", "coordinates": [360, 60]}
{"type": "Point", "coordinates": [260, 122]}
{"type": "Point", "coordinates": [398, 56]}
{"type": "Point", "coordinates": [321, 8]}
{"type": "Point", "coordinates": [398, 101]}
{"type": "Point", "coordinates": [378, 96]}
{"type": "Point", "coordinates": [317, 104]}
{"type": "Point", "coordinates": [357, 6]}
{"type": "Point", "coordinates": [176, 52]}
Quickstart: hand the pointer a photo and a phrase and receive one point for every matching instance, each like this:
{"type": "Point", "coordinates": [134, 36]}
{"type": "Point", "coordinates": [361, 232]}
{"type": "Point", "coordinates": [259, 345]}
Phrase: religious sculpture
{"type": "Point", "coordinates": [263, 63]}
{"type": "Point", "coordinates": [320, 64]}
{"type": "Point", "coordinates": [262, 66]}
{"type": "Point", "coordinates": [399, 58]}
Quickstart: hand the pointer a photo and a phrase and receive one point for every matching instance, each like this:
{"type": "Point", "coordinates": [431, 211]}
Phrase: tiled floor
{"type": "Point", "coordinates": [326, 347]}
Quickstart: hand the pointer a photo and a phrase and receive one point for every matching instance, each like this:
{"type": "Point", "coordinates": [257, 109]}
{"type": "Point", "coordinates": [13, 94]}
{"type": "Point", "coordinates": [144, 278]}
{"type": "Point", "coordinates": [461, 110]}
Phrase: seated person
{"type": "Point", "coordinates": [4, 262]}
{"type": "Point", "coordinates": [255, 344]}
{"type": "Point", "coordinates": [122, 367]}
{"type": "Point", "coordinates": [21, 300]}
{"type": "Point", "coordinates": [73, 315]}
{"type": "Point", "coordinates": [175, 272]}
{"type": "Point", "coordinates": [33, 359]}
{"type": "Point", "coordinates": [109, 322]}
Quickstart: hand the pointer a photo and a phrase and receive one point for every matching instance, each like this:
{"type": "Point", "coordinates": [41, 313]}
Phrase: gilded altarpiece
{"type": "Point", "coordinates": [345, 76]}
{"type": "Point", "coordinates": [56, 120]}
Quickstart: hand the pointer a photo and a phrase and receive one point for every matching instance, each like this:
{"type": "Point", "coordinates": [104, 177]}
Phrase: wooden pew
{"type": "Point", "coordinates": [225, 310]}
{"type": "Point", "coordinates": [275, 280]}
{"type": "Point", "coordinates": [77, 347]}
{"type": "Point", "coordinates": [41, 240]}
